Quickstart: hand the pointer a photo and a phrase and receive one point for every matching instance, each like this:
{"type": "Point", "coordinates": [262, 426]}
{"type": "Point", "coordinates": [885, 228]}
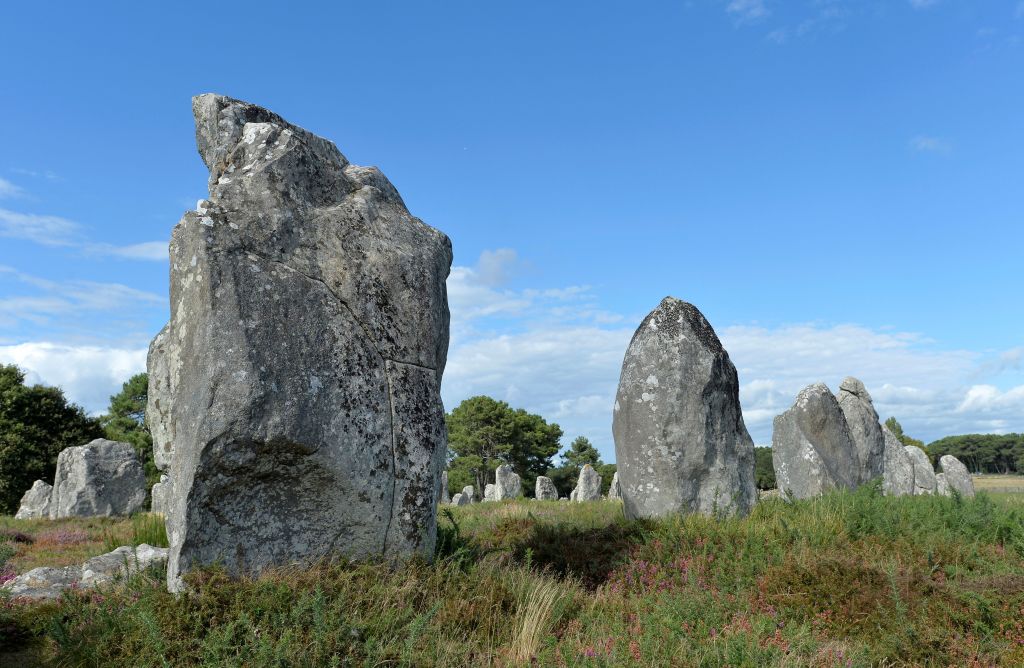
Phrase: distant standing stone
{"type": "Point", "coordinates": [444, 488]}
{"type": "Point", "coordinates": [35, 503]}
{"type": "Point", "coordinates": [160, 495]}
{"type": "Point", "coordinates": [924, 476]}
{"type": "Point", "coordinates": [865, 430]}
{"type": "Point", "coordinates": [545, 490]}
{"type": "Point", "coordinates": [101, 478]}
{"type": "Point", "coordinates": [460, 500]}
{"type": "Point", "coordinates": [613, 490]}
{"type": "Point", "coordinates": [898, 467]}
{"type": "Point", "coordinates": [812, 450]}
{"type": "Point", "coordinates": [506, 483]}
{"type": "Point", "coordinates": [489, 492]}
{"type": "Point", "coordinates": [957, 476]}
{"type": "Point", "coordinates": [469, 494]}
{"type": "Point", "coordinates": [680, 441]}
{"type": "Point", "coordinates": [588, 485]}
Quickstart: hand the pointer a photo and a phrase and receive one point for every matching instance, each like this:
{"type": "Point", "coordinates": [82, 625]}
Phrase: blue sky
{"type": "Point", "coordinates": [835, 184]}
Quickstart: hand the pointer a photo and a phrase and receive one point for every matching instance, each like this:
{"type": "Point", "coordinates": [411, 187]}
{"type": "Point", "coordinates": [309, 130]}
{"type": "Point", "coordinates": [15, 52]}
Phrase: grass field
{"type": "Point", "coordinates": [1007, 484]}
{"type": "Point", "coordinates": [852, 579]}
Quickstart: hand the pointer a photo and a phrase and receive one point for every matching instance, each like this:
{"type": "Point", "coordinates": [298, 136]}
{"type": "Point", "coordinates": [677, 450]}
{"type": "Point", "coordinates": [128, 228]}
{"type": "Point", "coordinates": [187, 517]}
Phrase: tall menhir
{"type": "Point", "coordinates": [294, 394]}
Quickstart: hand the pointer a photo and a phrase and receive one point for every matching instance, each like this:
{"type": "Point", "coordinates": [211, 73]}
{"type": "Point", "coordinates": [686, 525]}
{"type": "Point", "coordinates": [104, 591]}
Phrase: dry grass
{"type": "Point", "coordinates": [534, 618]}
{"type": "Point", "coordinates": [1007, 484]}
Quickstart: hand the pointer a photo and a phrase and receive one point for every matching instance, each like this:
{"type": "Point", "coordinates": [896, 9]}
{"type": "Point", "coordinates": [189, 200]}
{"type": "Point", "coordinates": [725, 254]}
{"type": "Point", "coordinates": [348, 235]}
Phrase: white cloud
{"type": "Point", "coordinates": [89, 375]}
{"type": "Point", "coordinates": [747, 11]}
{"type": "Point", "coordinates": [8, 189]}
{"type": "Point", "coordinates": [58, 231]}
{"type": "Point", "coordinates": [925, 144]}
{"type": "Point", "coordinates": [45, 230]}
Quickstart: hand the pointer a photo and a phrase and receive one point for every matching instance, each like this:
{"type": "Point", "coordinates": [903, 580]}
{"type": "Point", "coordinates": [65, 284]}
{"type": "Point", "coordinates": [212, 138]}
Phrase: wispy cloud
{"type": "Point", "coordinates": [56, 231]}
{"type": "Point", "coordinates": [926, 144]}
{"type": "Point", "coordinates": [747, 11]}
{"type": "Point", "coordinates": [8, 189]}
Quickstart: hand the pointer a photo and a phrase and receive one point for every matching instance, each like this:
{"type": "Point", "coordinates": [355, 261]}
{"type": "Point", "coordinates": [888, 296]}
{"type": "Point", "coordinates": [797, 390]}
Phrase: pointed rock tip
{"type": "Point", "coordinates": [855, 387]}
{"type": "Point", "coordinates": [219, 122]}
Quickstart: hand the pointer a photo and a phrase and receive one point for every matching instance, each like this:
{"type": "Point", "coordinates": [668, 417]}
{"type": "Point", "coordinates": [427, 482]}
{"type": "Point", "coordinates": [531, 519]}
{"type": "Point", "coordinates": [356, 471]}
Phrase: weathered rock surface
{"type": "Point", "coordinates": [898, 467]}
{"type": "Point", "coordinates": [295, 390]}
{"type": "Point", "coordinates": [460, 499]}
{"type": "Point", "coordinates": [469, 493]}
{"type": "Point", "coordinates": [545, 490]}
{"type": "Point", "coordinates": [812, 450]}
{"type": "Point", "coordinates": [924, 476]}
{"type": "Point", "coordinates": [956, 475]}
{"type": "Point", "coordinates": [507, 484]}
{"type": "Point", "coordinates": [941, 486]}
{"type": "Point", "coordinates": [613, 489]}
{"type": "Point", "coordinates": [865, 430]}
{"type": "Point", "coordinates": [680, 441]}
{"type": "Point", "coordinates": [35, 503]}
{"type": "Point", "coordinates": [489, 491]}
{"type": "Point", "coordinates": [444, 498]}
{"type": "Point", "coordinates": [588, 485]}
{"type": "Point", "coordinates": [101, 478]}
{"type": "Point", "coordinates": [43, 583]}
{"type": "Point", "coordinates": [160, 494]}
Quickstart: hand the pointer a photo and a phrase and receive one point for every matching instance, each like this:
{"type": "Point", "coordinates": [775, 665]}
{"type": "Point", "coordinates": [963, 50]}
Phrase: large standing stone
{"type": "Point", "coordinates": [957, 476]}
{"type": "Point", "coordinates": [924, 475]}
{"type": "Point", "coordinates": [297, 383]}
{"type": "Point", "coordinates": [680, 441]}
{"type": "Point", "coordinates": [588, 485]}
{"type": "Point", "coordinates": [102, 478]}
{"type": "Point", "coordinates": [898, 468]}
{"type": "Point", "coordinates": [613, 490]}
{"type": "Point", "coordinates": [865, 430]}
{"type": "Point", "coordinates": [35, 503]}
{"type": "Point", "coordinates": [812, 450]}
{"type": "Point", "coordinates": [545, 490]}
{"type": "Point", "coordinates": [507, 484]}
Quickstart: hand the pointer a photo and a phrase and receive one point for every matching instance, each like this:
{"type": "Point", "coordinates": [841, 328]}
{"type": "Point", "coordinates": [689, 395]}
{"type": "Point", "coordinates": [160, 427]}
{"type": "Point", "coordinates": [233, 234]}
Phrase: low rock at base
{"type": "Point", "coordinates": [35, 503]}
{"type": "Point", "coordinates": [545, 490]}
{"type": "Point", "coordinates": [48, 583]}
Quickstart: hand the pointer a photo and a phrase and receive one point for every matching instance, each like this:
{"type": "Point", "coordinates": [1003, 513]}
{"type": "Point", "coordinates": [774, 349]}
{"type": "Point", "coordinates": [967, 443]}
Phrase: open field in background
{"type": "Point", "coordinates": [1007, 484]}
{"type": "Point", "coordinates": [852, 579]}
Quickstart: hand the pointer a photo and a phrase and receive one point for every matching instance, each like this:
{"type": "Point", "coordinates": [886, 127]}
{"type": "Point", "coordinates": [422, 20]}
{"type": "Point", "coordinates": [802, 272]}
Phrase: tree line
{"type": "Point", "coordinates": [37, 422]}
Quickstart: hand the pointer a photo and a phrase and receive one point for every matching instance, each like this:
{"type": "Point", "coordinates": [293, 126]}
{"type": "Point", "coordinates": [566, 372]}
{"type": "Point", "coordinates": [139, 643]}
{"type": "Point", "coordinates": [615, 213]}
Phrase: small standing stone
{"type": "Point", "coordinates": [545, 489]}
{"type": "Point", "coordinates": [160, 495]}
{"type": "Point", "coordinates": [924, 476]}
{"type": "Point", "coordinates": [506, 483]}
{"type": "Point", "coordinates": [898, 468]}
{"type": "Point", "coordinates": [460, 500]}
{"type": "Point", "coordinates": [941, 486]}
{"type": "Point", "coordinates": [489, 492]}
{"type": "Point", "coordinates": [588, 485]}
{"type": "Point", "coordinates": [444, 488]}
{"type": "Point", "coordinates": [101, 478]}
{"type": "Point", "coordinates": [812, 450]}
{"type": "Point", "coordinates": [36, 502]}
{"type": "Point", "coordinates": [469, 494]}
{"type": "Point", "coordinates": [956, 475]}
{"type": "Point", "coordinates": [613, 490]}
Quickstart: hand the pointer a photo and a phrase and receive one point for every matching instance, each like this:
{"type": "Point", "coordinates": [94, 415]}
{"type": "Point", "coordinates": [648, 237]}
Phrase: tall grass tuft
{"type": "Point", "coordinates": [533, 618]}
